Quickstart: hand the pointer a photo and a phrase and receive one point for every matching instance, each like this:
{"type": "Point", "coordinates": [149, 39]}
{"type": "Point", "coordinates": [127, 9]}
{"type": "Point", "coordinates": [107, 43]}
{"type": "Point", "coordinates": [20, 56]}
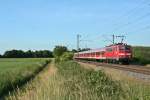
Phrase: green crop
{"type": "Point", "coordinates": [15, 72]}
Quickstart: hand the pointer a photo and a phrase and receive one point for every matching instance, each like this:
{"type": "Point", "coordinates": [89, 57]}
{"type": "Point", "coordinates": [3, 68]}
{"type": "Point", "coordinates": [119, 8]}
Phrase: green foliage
{"type": "Point", "coordinates": [28, 54]}
{"type": "Point", "coordinates": [14, 72]}
{"type": "Point", "coordinates": [83, 84]}
{"type": "Point", "coordinates": [66, 56]}
{"type": "Point", "coordinates": [141, 55]}
{"type": "Point", "coordinates": [14, 53]}
{"type": "Point", "coordinates": [74, 50]}
{"type": "Point", "coordinates": [84, 49]}
{"type": "Point", "coordinates": [59, 50]}
{"type": "Point", "coordinates": [42, 54]}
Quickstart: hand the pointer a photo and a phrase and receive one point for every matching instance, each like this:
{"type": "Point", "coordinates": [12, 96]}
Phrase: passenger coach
{"type": "Point", "coordinates": [111, 54]}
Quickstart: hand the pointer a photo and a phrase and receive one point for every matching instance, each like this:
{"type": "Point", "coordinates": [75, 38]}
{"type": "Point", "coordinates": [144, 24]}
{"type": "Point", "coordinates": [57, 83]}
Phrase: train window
{"type": "Point", "coordinates": [98, 53]}
{"type": "Point", "coordinates": [102, 52]}
{"type": "Point", "coordinates": [109, 49]}
{"type": "Point", "coordinates": [124, 48]}
{"type": "Point", "coordinates": [114, 49]}
{"type": "Point", "coordinates": [127, 47]}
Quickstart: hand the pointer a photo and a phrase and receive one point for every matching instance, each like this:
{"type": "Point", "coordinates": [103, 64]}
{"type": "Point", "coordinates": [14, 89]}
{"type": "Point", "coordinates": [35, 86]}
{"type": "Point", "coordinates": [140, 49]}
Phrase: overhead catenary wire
{"type": "Point", "coordinates": [126, 24]}
{"type": "Point", "coordinates": [132, 22]}
{"type": "Point", "coordinates": [131, 12]}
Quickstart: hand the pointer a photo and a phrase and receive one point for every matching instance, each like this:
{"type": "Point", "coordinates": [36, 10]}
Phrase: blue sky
{"type": "Point", "coordinates": [42, 24]}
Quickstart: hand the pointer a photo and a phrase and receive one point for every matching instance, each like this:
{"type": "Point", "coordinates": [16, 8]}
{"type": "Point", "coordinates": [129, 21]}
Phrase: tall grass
{"type": "Point", "coordinates": [136, 91]}
{"type": "Point", "coordinates": [70, 82]}
{"type": "Point", "coordinates": [15, 72]}
{"type": "Point", "coordinates": [83, 84]}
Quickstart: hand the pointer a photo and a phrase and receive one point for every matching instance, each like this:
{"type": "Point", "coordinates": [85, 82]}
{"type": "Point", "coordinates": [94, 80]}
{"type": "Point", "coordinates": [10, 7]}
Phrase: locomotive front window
{"type": "Point", "coordinates": [109, 49]}
{"type": "Point", "coordinates": [127, 47]}
{"type": "Point", "coordinates": [124, 48]}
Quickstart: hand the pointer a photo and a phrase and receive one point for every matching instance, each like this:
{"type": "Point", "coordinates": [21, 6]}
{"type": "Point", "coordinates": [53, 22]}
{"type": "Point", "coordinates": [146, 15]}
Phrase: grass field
{"type": "Point", "coordinates": [15, 72]}
{"type": "Point", "coordinates": [70, 82]}
{"type": "Point", "coordinates": [88, 84]}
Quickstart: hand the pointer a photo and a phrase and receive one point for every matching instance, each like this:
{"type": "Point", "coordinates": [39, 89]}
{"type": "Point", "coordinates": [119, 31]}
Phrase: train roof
{"type": "Point", "coordinates": [93, 50]}
{"type": "Point", "coordinates": [116, 44]}
{"type": "Point", "coordinates": [101, 49]}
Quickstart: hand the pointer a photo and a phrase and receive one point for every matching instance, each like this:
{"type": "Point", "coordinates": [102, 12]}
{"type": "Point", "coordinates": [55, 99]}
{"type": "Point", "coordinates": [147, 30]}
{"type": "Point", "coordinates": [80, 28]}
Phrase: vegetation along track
{"type": "Point", "coordinates": [131, 68]}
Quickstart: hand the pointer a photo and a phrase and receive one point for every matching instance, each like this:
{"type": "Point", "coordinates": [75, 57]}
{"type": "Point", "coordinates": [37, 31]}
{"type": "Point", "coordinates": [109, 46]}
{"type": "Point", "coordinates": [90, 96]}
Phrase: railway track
{"type": "Point", "coordinates": [130, 68]}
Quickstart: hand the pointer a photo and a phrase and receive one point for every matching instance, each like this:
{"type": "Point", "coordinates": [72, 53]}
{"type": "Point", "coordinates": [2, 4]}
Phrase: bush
{"type": "Point", "coordinates": [66, 56]}
{"type": "Point", "coordinates": [86, 84]}
{"type": "Point", "coordinates": [141, 55]}
{"type": "Point", "coordinates": [59, 50]}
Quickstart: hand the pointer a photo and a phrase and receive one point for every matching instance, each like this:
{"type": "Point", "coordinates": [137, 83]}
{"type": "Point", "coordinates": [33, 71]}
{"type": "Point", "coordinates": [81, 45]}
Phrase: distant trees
{"type": "Point", "coordinates": [59, 50]}
{"type": "Point", "coordinates": [74, 50]}
{"type": "Point", "coordinates": [41, 54]}
{"type": "Point", "coordinates": [61, 53]}
{"type": "Point", "coordinates": [27, 54]}
{"type": "Point", "coordinates": [84, 49]}
{"type": "Point", "coordinates": [141, 54]}
{"type": "Point", "coordinates": [14, 54]}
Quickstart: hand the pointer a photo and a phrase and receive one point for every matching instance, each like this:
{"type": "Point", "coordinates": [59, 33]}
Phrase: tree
{"type": "Point", "coordinates": [84, 49]}
{"type": "Point", "coordinates": [59, 50]}
{"type": "Point", "coordinates": [74, 50]}
{"type": "Point", "coordinates": [47, 53]}
{"type": "Point", "coordinates": [28, 54]}
{"type": "Point", "coordinates": [14, 54]}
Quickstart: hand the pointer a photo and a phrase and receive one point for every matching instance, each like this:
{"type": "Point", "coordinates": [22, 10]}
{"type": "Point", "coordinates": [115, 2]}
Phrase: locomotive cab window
{"type": "Point", "coordinates": [127, 47]}
{"type": "Point", "coordinates": [109, 49]}
{"type": "Point", "coordinates": [124, 48]}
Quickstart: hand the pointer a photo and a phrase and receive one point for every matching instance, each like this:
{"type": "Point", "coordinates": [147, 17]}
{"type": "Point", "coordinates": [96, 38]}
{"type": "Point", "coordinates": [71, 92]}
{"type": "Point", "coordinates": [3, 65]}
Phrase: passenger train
{"type": "Point", "coordinates": [116, 53]}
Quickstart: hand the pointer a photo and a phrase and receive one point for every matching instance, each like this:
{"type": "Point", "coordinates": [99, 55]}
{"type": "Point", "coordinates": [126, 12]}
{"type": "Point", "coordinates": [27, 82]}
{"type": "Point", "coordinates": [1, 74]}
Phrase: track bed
{"type": "Point", "coordinates": [132, 68]}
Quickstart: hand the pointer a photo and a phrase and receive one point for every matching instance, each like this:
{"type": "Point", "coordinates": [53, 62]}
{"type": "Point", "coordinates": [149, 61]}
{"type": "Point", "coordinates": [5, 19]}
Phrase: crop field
{"type": "Point", "coordinates": [15, 72]}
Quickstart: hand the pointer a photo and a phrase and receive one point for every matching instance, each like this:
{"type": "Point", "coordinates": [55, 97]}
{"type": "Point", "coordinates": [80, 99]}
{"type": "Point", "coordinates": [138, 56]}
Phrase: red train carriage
{"type": "Point", "coordinates": [113, 53]}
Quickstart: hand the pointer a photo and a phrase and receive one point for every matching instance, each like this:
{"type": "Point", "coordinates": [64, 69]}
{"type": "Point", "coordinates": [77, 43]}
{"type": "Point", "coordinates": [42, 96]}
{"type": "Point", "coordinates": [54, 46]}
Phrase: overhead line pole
{"type": "Point", "coordinates": [113, 39]}
{"type": "Point", "coordinates": [119, 36]}
{"type": "Point", "coordinates": [78, 42]}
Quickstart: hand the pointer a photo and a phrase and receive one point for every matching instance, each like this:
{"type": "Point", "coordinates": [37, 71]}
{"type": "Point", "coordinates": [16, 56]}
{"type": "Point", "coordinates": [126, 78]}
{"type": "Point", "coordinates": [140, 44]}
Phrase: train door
{"type": "Point", "coordinates": [115, 52]}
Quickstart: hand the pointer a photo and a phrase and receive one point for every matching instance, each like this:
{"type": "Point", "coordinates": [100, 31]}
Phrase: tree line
{"type": "Point", "coordinates": [27, 54]}
{"type": "Point", "coordinates": [59, 51]}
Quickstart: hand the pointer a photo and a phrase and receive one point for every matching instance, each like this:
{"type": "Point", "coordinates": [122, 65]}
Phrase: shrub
{"type": "Point", "coordinates": [66, 56]}
{"type": "Point", "coordinates": [82, 83]}
{"type": "Point", "coordinates": [141, 55]}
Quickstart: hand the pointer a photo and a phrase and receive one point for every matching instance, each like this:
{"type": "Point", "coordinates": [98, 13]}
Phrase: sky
{"type": "Point", "coordinates": [42, 24]}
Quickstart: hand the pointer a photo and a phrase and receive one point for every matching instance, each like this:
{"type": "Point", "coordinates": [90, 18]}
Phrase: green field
{"type": "Point", "coordinates": [70, 81]}
{"type": "Point", "coordinates": [15, 72]}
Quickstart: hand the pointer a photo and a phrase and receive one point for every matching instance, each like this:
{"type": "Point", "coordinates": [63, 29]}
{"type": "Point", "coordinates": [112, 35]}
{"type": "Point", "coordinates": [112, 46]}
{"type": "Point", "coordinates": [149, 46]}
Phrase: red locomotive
{"type": "Point", "coordinates": [111, 54]}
